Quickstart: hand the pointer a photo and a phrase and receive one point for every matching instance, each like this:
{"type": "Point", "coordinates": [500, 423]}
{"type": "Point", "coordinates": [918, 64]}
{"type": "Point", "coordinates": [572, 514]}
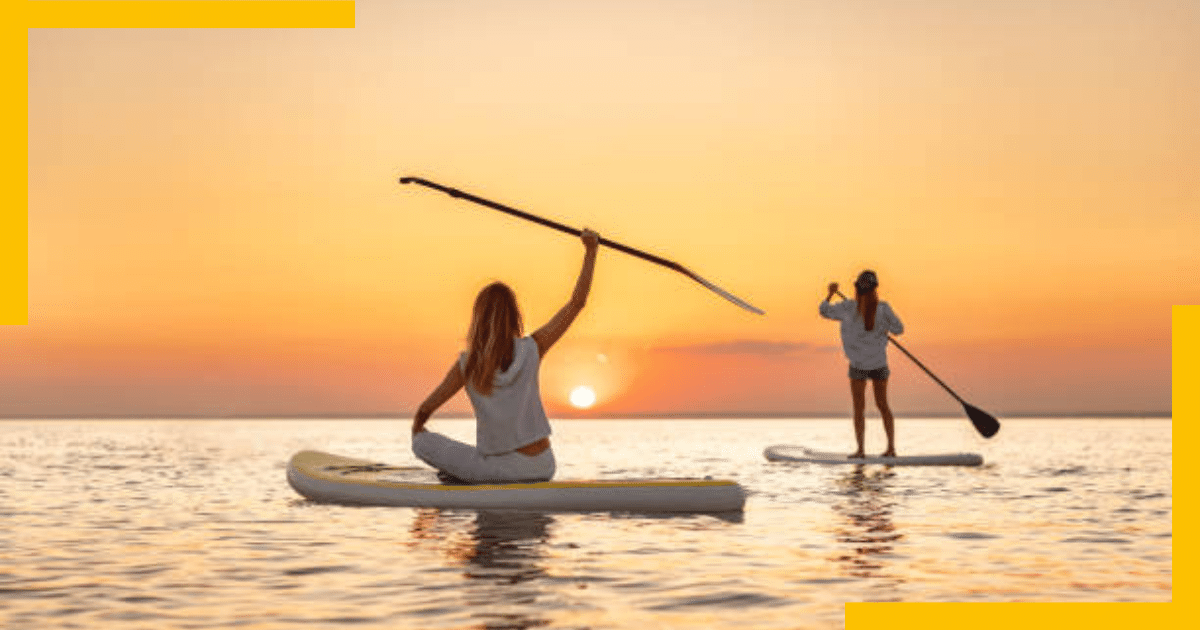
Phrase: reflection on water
{"type": "Point", "coordinates": [866, 526]}
{"type": "Point", "coordinates": [502, 555]}
{"type": "Point", "coordinates": [191, 525]}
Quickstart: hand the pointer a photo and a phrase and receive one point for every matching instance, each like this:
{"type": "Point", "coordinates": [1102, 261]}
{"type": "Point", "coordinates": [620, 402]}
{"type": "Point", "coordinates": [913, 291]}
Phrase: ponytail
{"type": "Point", "coordinates": [867, 303]}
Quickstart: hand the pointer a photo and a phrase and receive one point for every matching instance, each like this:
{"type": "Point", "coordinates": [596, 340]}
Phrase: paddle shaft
{"type": "Point", "coordinates": [674, 266]}
{"type": "Point", "coordinates": [919, 364]}
{"type": "Point", "coordinates": [458, 194]}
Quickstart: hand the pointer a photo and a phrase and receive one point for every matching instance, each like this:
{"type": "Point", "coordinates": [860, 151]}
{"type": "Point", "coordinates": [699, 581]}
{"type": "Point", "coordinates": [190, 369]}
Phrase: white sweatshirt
{"type": "Point", "coordinates": [512, 416]}
{"type": "Point", "coordinates": [866, 349]}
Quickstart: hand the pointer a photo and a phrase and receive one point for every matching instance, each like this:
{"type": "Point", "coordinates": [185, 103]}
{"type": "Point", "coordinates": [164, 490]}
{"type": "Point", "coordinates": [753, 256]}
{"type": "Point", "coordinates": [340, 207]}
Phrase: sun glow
{"type": "Point", "coordinates": [583, 397]}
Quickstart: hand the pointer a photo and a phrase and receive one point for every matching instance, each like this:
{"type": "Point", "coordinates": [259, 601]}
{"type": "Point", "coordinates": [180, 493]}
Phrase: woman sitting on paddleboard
{"type": "Point", "coordinates": [500, 372]}
{"type": "Point", "coordinates": [866, 322]}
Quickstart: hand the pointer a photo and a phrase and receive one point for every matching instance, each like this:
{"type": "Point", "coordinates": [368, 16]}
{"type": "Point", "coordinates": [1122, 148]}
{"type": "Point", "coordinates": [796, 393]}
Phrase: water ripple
{"type": "Point", "coordinates": [170, 524]}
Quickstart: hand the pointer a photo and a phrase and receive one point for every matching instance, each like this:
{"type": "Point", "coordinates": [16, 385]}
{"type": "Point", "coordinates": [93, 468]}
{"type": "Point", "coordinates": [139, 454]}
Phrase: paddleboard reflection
{"type": "Point", "coordinates": [866, 531]}
{"type": "Point", "coordinates": [502, 554]}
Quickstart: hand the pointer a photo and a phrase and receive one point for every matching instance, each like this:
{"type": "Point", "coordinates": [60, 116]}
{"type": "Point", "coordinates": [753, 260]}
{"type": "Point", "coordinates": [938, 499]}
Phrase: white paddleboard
{"type": "Point", "coordinates": [785, 453]}
{"type": "Point", "coordinates": [327, 478]}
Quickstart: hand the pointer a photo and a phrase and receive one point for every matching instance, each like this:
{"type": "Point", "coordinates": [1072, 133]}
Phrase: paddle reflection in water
{"type": "Point", "coordinates": [867, 525]}
{"type": "Point", "coordinates": [503, 556]}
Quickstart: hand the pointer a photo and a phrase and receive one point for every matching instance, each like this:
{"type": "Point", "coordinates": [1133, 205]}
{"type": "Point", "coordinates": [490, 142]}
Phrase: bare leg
{"type": "Point", "coordinates": [858, 392]}
{"type": "Point", "coordinates": [889, 424]}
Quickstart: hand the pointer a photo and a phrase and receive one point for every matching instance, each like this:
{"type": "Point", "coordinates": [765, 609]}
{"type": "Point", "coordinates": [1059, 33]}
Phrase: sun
{"type": "Point", "coordinates": [583, 397]}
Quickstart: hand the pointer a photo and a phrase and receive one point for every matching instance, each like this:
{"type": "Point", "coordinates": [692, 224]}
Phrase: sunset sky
{"type": "Point", "coordinates": [215, 225]}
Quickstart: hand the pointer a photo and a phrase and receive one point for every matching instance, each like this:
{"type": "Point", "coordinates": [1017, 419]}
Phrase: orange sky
{"type": "Point", "coordinates": [215, 224]}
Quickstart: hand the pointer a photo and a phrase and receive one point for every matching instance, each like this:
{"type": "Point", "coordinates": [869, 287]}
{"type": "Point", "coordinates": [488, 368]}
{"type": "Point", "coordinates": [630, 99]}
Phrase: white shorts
{"type": "Point", "coordinates": [464, 461]}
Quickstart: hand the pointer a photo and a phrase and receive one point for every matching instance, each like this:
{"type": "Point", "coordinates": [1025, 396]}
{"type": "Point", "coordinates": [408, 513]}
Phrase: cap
{"type": "Point", "coordinates": [866, 281]}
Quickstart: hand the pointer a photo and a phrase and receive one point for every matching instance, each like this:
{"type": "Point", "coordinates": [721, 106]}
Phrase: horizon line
{"type": "Point", "coordinates": [695, 415]}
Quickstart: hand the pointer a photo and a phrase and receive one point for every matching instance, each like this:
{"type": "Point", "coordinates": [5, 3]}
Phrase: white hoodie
{"type": "Point", "coordinates": [512, 416]}
{"type": "Point", "coordinates": [866, 349]}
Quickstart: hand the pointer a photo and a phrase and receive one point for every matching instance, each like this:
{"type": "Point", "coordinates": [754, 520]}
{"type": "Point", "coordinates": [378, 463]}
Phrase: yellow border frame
{"type": "Point", "coordinates": [340, 14]}
{"type": "Point", "coordinates": [1185, 408]}
{"type": "Point", "coordinates": [22, 15]}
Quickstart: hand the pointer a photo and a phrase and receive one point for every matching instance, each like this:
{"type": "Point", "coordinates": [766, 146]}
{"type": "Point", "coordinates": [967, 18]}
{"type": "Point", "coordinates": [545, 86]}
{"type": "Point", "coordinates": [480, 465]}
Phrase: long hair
{"type": "Point", "coordinates": [867, 302]}
{"type": "Point", "coordinates": [495, 322]}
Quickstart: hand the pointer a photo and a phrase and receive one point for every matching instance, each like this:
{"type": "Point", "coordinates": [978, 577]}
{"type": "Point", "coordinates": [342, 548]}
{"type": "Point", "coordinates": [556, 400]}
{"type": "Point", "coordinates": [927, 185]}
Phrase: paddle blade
{"type": "Point", "coordinates": [983, 421]}
{"type": "Point", "coordinates": [723, 293]}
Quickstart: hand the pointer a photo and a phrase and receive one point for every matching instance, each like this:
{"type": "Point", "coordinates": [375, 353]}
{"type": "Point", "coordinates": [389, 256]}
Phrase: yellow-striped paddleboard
{"type": "Point", "coordinates": [327, 478]}
{"type": "Point", "coordinates": [784, 453]}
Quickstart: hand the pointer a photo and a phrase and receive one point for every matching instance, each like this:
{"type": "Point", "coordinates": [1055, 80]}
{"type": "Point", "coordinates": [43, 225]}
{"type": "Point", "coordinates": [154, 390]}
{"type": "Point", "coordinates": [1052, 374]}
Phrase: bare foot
{"type": "Point", "coordinates": [857, 455]}
{"type": "Point", "coordinates": [451, 480]}
{"type": "Point", "coordinates": [891, 452]}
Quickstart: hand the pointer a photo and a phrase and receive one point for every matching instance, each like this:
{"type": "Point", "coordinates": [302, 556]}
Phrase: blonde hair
{"type": "Point", "coordinates": [495, 322]}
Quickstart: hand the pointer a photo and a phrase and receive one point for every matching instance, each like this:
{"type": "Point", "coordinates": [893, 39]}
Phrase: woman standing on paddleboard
{"type": "Point", "coordinates": [866, 322]}
{"type": "Point", "coordinates": [500, 373]}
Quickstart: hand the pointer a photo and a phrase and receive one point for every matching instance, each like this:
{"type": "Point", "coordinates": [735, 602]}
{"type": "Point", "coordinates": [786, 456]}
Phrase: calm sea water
{"type": "Point", "coordinates": [191, 524]}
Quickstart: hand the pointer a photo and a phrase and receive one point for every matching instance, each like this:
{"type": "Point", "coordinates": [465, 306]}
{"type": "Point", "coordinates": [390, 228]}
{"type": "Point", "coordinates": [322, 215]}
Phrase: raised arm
{"type": "Point", "coordinates": [827, 309]}
{"type": "Point", "coordinates": [449, 387]}
{"type": "Point", "coordinates": [553, 330]}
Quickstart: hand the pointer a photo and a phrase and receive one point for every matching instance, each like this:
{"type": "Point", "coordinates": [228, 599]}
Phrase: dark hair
{"type": "Point", "coordinates": [868, 299]}
{"type": "Point", "coordinates": [495, 322]}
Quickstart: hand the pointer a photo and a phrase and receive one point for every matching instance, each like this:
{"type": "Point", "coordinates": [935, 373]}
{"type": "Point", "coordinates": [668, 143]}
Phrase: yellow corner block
{"type": "Point", "coordinates": [190, 14]}
{"type": "Point", "coordinates": [1012, 616]}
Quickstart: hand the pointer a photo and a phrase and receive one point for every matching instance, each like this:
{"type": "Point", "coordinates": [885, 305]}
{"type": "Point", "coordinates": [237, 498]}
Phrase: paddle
{"type": "Point", "coordinates": [983, 421]}
{"type": "Point", "coordinates": [458, 194]}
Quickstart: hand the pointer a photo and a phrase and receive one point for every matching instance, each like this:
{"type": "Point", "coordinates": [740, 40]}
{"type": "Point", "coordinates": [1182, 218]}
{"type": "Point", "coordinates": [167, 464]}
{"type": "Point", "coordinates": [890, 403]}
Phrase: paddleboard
{"type": "Point", "coordinates": [328, 478]}
{"type": "Point", "coordinates": [785, 453]}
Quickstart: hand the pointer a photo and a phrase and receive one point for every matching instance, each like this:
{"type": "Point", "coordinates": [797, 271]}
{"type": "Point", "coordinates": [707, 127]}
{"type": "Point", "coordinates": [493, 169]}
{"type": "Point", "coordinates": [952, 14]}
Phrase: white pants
{"type": "Point", "coordinates": [464, 461]}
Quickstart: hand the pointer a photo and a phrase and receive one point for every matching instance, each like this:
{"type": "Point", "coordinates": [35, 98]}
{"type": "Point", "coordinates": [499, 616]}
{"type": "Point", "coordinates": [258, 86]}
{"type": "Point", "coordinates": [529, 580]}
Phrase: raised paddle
{"type": "Point", "coordinates": [458, 194]}
{"type": "Point", "coordinates": [983, 421]}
